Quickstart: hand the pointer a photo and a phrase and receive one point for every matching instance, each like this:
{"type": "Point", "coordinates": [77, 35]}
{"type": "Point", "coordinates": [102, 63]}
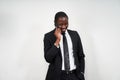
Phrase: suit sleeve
{"type": "Point", "coordinates": [50, 50]}
{"type": "Point", "coordinates": [81, 55]}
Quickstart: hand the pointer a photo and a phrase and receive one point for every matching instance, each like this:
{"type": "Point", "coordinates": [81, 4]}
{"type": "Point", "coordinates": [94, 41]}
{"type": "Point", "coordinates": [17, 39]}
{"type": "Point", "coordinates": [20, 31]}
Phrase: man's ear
{"type": "Point", "coordinates": [56, 25]}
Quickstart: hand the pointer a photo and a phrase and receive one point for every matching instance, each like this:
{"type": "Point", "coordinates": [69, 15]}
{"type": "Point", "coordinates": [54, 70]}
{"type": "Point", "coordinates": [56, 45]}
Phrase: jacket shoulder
{"type": "Point", "coordinates": [72, 31]}
{"type": "Point", "coordinates": [50, 33]}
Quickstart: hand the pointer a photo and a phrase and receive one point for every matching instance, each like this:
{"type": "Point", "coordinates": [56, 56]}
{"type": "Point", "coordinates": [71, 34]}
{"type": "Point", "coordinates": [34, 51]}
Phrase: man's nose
{"type": "Point", "coordinates": [63, 26]}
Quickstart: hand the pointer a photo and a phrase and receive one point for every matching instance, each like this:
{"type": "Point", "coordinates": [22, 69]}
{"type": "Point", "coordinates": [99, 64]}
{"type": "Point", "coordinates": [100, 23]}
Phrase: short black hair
{"type": "Point", "coordinates": [59, 14]}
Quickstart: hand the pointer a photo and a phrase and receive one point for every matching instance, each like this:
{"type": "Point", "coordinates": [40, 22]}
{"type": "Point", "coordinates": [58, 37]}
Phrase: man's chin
{"type": "Point", "coordinates": [63, 31]}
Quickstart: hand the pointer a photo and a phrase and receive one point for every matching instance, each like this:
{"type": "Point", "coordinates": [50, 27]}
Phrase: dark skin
{"type": "Point", "coordinates": [62, 25]}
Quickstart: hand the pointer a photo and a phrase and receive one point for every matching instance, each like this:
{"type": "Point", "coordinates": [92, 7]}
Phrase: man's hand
{"type": "Point", "coordinates": [58, 36]}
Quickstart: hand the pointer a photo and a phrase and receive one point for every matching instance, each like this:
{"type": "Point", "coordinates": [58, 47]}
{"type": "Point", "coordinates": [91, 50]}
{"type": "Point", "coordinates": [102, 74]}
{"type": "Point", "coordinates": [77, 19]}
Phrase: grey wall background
{"type": "Point", "coordinates": [23, 24]}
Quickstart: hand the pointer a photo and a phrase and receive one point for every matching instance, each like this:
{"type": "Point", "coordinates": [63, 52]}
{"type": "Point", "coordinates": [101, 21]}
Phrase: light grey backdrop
{"type": "Point", "coordinates": [23, 24]}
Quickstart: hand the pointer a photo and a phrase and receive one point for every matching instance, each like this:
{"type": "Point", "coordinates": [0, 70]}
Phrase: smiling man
{"type": "Point", "coordinates": [63, 51]}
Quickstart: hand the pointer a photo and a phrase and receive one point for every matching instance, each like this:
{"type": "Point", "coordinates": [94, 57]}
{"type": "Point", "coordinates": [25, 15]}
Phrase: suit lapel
{"type": "Point", "coordinates": [72, 37]}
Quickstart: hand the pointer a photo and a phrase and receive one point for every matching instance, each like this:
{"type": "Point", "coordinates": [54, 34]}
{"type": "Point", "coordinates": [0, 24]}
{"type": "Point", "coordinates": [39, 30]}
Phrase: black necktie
{"type": "Point", "coordinates": [66, 53]}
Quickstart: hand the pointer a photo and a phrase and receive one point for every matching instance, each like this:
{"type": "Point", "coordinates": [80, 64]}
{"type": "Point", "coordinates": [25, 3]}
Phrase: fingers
{"type": "Point", "coordinates": [58, 29]}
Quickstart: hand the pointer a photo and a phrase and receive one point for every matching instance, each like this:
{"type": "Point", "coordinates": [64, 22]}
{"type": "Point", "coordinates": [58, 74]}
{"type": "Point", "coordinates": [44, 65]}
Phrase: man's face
{"type": "Point", "coordinates": [62, 23]}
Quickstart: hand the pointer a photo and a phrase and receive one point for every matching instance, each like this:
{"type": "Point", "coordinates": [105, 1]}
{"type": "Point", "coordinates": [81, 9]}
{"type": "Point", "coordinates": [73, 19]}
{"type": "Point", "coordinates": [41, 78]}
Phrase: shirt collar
{"type": "Point", "coordinates": [66, 32]}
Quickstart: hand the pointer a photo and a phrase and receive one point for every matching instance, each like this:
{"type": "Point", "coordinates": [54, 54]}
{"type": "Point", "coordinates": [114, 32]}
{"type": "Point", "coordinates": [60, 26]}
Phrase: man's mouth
{"type": "Point", "coordinates": [63, 29]}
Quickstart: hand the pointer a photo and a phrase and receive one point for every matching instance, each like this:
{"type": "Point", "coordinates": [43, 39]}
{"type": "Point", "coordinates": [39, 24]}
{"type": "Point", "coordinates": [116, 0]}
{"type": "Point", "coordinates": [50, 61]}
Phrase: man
{"type": "Point", "coordinates": [63, 51]}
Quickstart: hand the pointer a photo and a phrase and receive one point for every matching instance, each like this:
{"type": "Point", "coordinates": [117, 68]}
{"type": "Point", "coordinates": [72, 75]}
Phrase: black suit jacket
{"type": "Point", "coordinates": [52, 55]}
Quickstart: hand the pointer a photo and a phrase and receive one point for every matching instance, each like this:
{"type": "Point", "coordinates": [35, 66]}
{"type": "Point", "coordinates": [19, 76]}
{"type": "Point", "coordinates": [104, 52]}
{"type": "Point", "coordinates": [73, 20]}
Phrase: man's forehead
{"type": "Point", "coordinates": [63, 18]}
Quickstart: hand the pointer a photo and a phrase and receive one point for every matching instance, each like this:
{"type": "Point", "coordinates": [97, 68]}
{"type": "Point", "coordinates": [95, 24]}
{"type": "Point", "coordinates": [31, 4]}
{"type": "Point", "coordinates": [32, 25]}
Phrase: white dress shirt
{"type": "Point", "coordinates": [70, 48]}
